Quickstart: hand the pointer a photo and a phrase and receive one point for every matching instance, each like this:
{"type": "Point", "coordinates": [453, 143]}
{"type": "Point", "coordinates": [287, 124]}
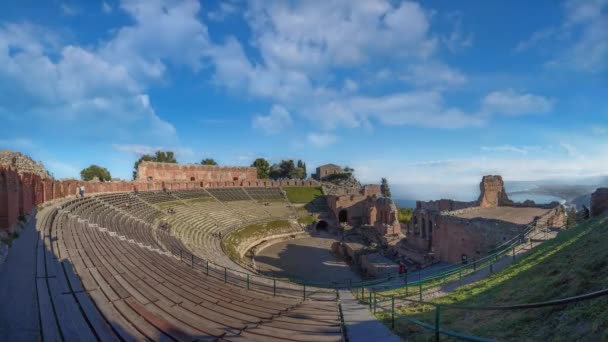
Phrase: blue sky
{"type": "Point", "coordinates": [432, 94]}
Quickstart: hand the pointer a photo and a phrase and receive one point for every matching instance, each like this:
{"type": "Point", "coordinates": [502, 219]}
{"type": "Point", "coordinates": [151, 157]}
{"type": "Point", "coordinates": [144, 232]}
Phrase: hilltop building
{"type": "Point", "coordinates": [326, 170]}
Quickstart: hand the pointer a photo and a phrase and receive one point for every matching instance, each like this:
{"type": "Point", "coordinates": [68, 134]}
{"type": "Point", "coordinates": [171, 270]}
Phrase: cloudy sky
{"type": "Point", "coordinates": [430, 94]}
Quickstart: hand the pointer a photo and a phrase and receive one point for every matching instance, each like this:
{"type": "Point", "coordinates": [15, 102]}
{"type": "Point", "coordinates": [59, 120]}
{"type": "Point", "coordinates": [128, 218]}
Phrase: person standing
{"type": "Point", "coordinates": [81, 190]}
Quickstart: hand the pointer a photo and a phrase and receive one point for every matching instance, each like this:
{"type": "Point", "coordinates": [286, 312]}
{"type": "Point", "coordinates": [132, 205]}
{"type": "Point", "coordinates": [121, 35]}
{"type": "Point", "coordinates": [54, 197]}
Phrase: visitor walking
{"type": "Point", "coordinates": [81, 191]}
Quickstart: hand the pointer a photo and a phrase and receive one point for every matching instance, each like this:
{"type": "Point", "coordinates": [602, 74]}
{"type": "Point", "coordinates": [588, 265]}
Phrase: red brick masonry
{"type": "Point", "coordinates": [20, 193]}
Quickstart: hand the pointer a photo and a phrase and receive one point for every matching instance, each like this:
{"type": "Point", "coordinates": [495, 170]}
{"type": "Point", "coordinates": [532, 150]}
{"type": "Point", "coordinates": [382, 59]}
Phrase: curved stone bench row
{"type": "Point", "coordinates": [93, 285]}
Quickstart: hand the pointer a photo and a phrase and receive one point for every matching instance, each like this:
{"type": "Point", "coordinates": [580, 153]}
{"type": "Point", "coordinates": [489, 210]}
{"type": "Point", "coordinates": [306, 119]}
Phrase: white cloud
{"type": "Point", "coordinates": [163, 32]}
{"type": "Point", "coordinates": [459, 178]}
{"type": "Point", "coordinates": [434, 74]}
{"type": "Point", "coordinates": [106, 8]}
{"type": "Point", "coordinates": [457, 40]}
{"type": "Point", "coordinates": [416, 108]}
{"type": "Point", "coordinates": [598, 130]}
{"type": "Point", "coordinates": [101, 88]}
{"type": "Point", "coordinates": [278, 120]}
{"type": "Point", "coordinates": [321, 139]}
{"type": "Point", "coordinates": [505, 148]}
{"type": "Point", "coordinates": [510, 102]}
{"type": "Point", "coordinates": [350, 85]}
{"type": "Point", "coordinates": [310, 35]}
{"type": "Point", "coordinates": [224, 10]}
{"type": "Point", "coordinates": [581, 41]}
{"type": "Point", "coordinates": [572, 150]}
{"type": "Point", "coordinates": [69, 10]}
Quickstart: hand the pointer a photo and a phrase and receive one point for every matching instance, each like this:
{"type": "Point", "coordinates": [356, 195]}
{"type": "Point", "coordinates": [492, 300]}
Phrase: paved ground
{"type": "Point", "coordinates": [509, 214]}
{"type": "Point", "coordinates": [361, 325]}
{"type": "Point", "coordinates": [18, 299]}
{"type": "Point", "coordinates": [307, 258]}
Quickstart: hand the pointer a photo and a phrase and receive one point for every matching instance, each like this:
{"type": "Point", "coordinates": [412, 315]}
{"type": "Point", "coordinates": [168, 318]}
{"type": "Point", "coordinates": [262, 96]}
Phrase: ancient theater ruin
{"type": "Point", "coordinates": [454, 231]}
{"type": "Point", "coordinates": [167, 172]}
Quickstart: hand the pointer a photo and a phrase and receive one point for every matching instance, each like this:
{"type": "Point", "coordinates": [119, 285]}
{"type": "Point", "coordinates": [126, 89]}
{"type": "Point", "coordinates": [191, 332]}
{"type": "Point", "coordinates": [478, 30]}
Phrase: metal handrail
{"type": "Point", "coordinates": [375, 298]}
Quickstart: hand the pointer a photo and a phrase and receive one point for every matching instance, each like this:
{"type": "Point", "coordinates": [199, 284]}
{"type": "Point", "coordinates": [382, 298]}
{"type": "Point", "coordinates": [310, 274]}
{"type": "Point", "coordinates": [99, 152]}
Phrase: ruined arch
{"type": "Point", "coordinates": [423, 228]}
{"type": "Point", "coordinates": [322, 225]}
{"type": "Point", "coordinates": [343, 216]}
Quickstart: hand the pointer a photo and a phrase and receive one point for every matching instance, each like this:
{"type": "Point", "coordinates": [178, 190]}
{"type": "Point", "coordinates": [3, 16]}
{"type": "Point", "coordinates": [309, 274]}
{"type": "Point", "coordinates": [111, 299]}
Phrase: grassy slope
{"type": "Point", "coordinates": [574, 263]}
{"type": "Point", "coordinates": [302, 194]}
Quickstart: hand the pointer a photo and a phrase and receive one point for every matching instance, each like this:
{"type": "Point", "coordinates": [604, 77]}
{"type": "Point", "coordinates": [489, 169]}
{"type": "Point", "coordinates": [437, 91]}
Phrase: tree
{"type": "Point", "coordinates": [95, 171]}
{"type": "Point", "coordinates": [208, 161]}
{"type": "Point", "coordinates": [384, 188]}
{"type": "Point", "coordinates": [297, 173]}
{"type": "Point", "coordinates": [287, 167]}
{"type": "Point", "coordinates": [571, 221]}
{"type": "Point", "coordinates": [159, 156]}
{"type": "Point", "coordinates": [348, 169]}
{"type": "Point", "coordinates": [263, 168]}
{"type": "Point", "coordinates": [275, 172]}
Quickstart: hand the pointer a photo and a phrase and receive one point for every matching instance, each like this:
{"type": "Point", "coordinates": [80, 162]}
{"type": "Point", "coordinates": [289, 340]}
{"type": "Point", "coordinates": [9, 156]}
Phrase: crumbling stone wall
{"type": "Point", "coordinates": [22, 163]}
{"type": "Point", "coordinates": [444, 205]}
{"type": "Point", "coordinates": [493, 192]}
{"type": "Point", "coordinates": [153, 171]}
{"type": "Point", "coordinates": [21, 192]}
{"type": "Point", "coordinates": [435, 228]}
{"type": "Point", "coordinates": [599, 202]}
{"type": "Point", "coordinates": [367, 208]}
{"type": "Point", "coordinates": [326, 170]}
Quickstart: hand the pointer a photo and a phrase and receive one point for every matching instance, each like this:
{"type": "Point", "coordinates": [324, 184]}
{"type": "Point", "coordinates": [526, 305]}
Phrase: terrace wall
{"type": "Point", "coordinates": [21, 193]}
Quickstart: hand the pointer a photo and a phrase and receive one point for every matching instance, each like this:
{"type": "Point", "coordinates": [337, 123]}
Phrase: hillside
{"type": "Point", "coordinates": [574, 263]}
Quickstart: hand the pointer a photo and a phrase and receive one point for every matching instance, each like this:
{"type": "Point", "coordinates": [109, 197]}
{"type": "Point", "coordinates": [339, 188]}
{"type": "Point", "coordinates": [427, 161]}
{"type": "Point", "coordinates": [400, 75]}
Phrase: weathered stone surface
{"type": "Point", "coordinates": [365, 207]}
{"type": "Point", "coordinates": [599, 202]}
{"type": "Point", "coordinates": [446, 230]}
{"type": "Point", "coordinates": [326, 170]}
{"type": "Point", "coordinates": [493, 192]}
{"type": "Point", "coordinates": [153, 171]}
{"type": "Point", "coordinates": [22, 163]}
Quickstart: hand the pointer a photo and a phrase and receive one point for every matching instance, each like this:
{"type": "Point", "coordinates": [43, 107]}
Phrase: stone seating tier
{"type": "Point", "coordinates": [93, 285]}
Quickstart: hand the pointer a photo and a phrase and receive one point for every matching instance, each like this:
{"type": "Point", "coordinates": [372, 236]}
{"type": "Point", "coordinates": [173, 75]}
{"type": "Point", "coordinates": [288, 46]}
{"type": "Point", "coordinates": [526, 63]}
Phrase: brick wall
{"type": "Point", "coordinates": [20, 193]}
{"type": "Point", "coordinates": [153, 171]}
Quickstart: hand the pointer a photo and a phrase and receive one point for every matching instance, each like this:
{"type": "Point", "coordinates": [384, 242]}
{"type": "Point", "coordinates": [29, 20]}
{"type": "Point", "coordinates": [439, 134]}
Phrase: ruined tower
{"type": "Point", "coordinates": [493, 192]}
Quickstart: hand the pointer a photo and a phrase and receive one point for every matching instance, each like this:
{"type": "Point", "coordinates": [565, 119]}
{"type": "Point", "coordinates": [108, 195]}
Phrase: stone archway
{"type": "Point", "coordinates": [343, 216]}
{"type": "Point", "coordinates": [322, 225]}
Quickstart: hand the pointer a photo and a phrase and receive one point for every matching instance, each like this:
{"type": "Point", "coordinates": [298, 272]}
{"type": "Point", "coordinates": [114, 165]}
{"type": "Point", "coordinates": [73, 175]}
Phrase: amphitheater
{"type": "Point", "coordinates": [148, 261]}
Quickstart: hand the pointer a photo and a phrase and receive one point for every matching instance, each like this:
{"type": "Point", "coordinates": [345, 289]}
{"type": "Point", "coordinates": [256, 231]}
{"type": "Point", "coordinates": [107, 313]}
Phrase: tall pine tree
{"type": "Point", "coordinates": [384, 188]}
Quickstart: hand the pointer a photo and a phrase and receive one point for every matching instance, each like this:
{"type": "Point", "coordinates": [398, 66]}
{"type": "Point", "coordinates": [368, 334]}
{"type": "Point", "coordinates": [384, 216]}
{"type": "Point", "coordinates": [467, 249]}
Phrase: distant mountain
{"type": "Point", "coordinates": [405, 203]}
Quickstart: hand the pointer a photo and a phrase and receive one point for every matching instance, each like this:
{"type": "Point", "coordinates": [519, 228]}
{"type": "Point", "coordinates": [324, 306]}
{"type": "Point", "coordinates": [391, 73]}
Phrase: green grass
{"type": "Point", "coordinates": [574, 263]}
{"type": "Point", "coordinates": [255, 231]}
{"type": "Point", "coordinates": [307, 220]}
{"type": "Point", "coordinates": [302, 194]}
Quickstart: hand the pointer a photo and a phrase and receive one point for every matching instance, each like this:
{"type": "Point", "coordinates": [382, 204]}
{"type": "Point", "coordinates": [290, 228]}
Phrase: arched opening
{"type": "Point", "coordinates": [423, 228]}
{"type": "Point", "coordinates": [343, 216]}
{"type": "Point", "coordinates": [192, 179]}
{"type": "Point", "coordinates": [416, 229]}
{"type": "Point", "coordinates": [322, 225]}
